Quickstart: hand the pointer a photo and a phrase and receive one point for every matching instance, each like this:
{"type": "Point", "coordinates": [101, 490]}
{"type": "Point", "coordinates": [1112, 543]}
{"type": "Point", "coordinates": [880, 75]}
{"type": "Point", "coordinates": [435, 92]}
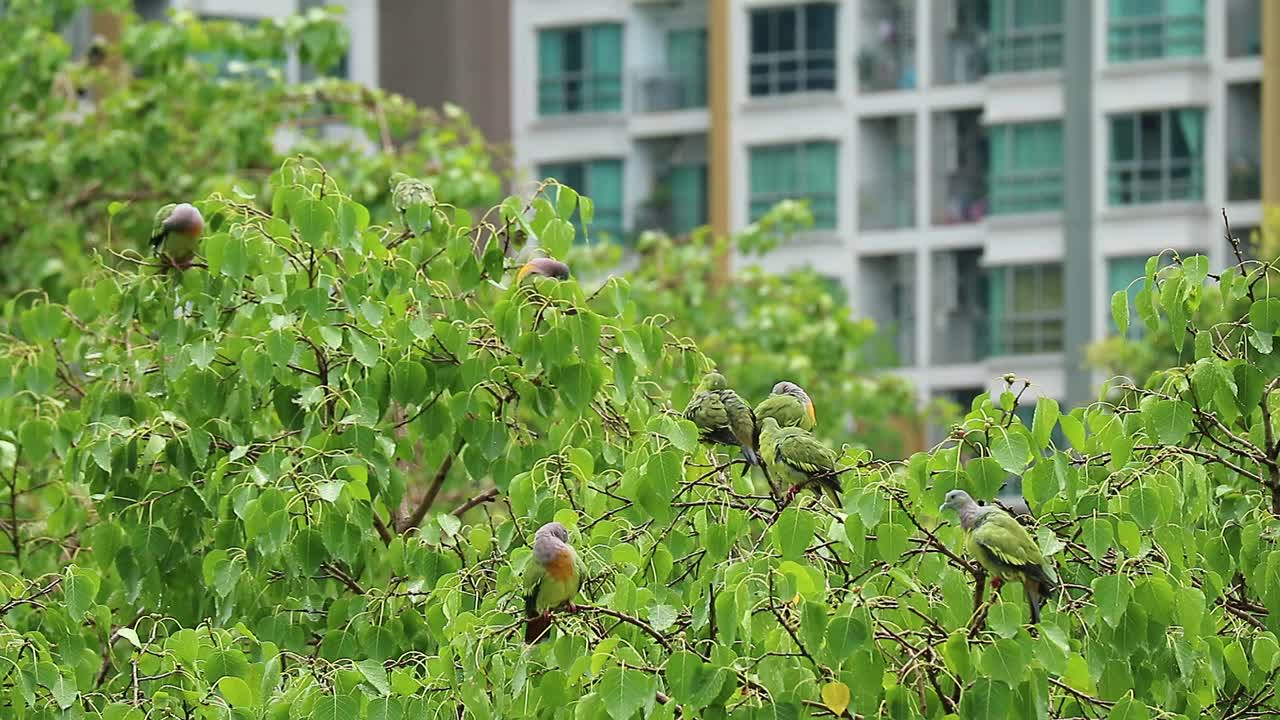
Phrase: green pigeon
{"type": "Point", "coordinates": [722, 416]}
{"type": "Point", "coordinates": [794, 455]}
{"type": "Point", "coordinates": [551, 579]}
{"type": "Point", "coordinates": [178, 228]}
{"type": "Point", "coordinates": [790, 405]}
{"type": "Point", "coordinates": [1004, 548]}
{"type": "Point", "coordinates": [543, 267]}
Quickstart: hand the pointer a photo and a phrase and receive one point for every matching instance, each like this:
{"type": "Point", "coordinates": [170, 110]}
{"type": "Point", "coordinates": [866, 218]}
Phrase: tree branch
{"type": "Point", "coordinates": [433, 490]}
{"type": "Point", "coordinates": [484, 497]}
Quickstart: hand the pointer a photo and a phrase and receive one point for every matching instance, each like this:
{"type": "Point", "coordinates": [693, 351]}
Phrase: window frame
{"type": "Point", "coordinates": [766, 64]}
{"type": "Point", "coordinates": [593, 91]}
{"type": "Point", "coordinates": [1010, 41]}
{"type": "Point", "coordinates": [1130, 178]}
{"type": "Point", "coordinates": [1129, 39]}
{"type": "Point", "coordinates": [759, 203]}
{"type": "Point", "coordinates": [1010, 181]}
{"type": "Point", "coordinates": [1041, 340]}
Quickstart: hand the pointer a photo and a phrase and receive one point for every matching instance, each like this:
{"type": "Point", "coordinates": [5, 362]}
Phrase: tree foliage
{"type": "Point", "coordinates": [222, 492]}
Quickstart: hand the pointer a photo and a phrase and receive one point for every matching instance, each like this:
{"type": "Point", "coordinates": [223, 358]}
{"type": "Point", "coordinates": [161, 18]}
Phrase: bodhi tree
{"type": "Point", "coordinates": [205, 475]}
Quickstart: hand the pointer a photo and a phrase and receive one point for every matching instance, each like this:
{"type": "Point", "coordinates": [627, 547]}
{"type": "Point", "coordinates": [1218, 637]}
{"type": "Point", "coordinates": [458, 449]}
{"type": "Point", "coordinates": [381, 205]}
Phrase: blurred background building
{"type": "Point", "coordinates": [984, 174]}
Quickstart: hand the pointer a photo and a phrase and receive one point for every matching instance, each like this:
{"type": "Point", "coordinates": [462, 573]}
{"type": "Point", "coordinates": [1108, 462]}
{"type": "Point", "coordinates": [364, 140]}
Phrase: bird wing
{"type": "Point", "coordinates": [1007, 541]}
{"type": "Point", "coordinates": [741, 420]}
{"type": "Point", "coordinates": [533, 576]}
{"type": "Point", "coordinates": [707, 411]}
{"type": "Point", "coordinates": [804, 452]}
{"type": "Point", "coordinates": [158, 230]}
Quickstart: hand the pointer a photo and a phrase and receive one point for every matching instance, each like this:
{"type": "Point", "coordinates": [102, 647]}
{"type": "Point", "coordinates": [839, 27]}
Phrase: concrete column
{"type": "Point", "coordinates": [1077, 127]}
{"type": "Point", "coordinates": [1270, 103]}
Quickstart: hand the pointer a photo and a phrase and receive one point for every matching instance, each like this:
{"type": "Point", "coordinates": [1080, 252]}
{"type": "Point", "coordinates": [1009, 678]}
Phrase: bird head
{"type": "Point", "coordinates": [712, 381]}
{"type": "Point", "coordinates": [555, 530]}
{"type": "Point", "coordinates": [786, 387]}
{"type": "Point", "coordinates": [955, 500]}
{"type": "Point", "coordinates": [545, 267]}
{"type": "Point", "coordinates": [185, 219]}
{"type": "Point", "coordinates": [769, 425]}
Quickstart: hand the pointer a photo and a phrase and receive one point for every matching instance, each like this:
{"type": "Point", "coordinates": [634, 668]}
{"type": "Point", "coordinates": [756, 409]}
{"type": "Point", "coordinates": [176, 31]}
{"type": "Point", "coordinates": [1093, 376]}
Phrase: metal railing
{"type": "Point", "coordinates": [663, 89]}
{"type": "Point", "coordinates": [1142, 38]}
{"type": "Point", "coordinates": [1026, 49]}
{"type": "Point", "coordinates": [960, 197]}
{"type": "Point", "coordinates": [1021, 191]}
{"type": "Point", "coordinates": [1138, 182]}
{"type": "Point", "coordinates": [580, 92]}
{"type": "Point", "coordinates": [887, 67]}
{"type": "Point", "coordinates": [791, 71]}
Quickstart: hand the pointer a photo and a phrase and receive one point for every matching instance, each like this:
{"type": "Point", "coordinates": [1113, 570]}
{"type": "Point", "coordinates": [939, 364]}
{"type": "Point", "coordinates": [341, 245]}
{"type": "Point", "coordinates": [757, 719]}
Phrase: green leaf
{"type": "Point", "coordinates": [690, 681]}
{"type": "Point", "coordinates": [1046, 416]}
{"type": "Point", "coordinates": [335, 707]}
{"type": "Point", "coordinates": [1126, 708]}
{"type": "Point", "coordinates": [1111, 595]}
{"type": "Point", "coordinates": [986, 698]}
{"type": "Point", "coordinates": [1170, 420]}
{"type": "Point", "coordinates": [1120, 311]}
{"type": "Point", "coordinates": [985, 476]}
{"type": "Point", "coordinates": [313, 219]}
{"type": "Point", "coordinates": [36, 440]}
{"type": "Point", "coordinates": [566, 201]}
{"type": "Point", "coordinates": [1005, 660]}
{"type": "Point", "coordinates": [625, 692]}
{"type": "Point", "coordinates": [237, 692]}
{"type": "Point", "coordinates": [80, 588]}
{"type": "Point", "coordinates": [1264, 315]}
{"type": "Point", "coordinates": [373, 671]}
{"type": "Point", "coordinates": [793, 533]}
{"type": "Point", "coordinates": [1010, 449]}
{"type": "Point", "coordinates": [845, 634]}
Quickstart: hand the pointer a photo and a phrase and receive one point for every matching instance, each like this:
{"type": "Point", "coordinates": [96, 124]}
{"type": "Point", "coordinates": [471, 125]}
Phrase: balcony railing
{"type": "Point", "coordinates": [960, 197]}
{"type": "Point", "coordinates": [890, 67]}
{"type": "Point", "coordinates": [1244, 179]}
{"type": "Point", "coordinates": [965, 60]}
{"type": "Point", "coordinates": [662, 89]}
{"type": "Point", "coordinates": [887, 203]}
{"type": "Point", "coordinates": [1027, 49]}
{"type": "Point", "coordinates": [1144, 38]}
{"type": "Point", "coordinates": [1021, 191]}
{"type": "Point", "coordinates": [1136, 183]}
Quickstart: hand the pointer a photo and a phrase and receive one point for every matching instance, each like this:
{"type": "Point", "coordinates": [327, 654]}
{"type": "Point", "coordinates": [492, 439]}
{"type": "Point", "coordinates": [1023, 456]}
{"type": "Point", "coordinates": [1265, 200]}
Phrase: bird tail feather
{"type": "Point", "coordinates": [537, 626]}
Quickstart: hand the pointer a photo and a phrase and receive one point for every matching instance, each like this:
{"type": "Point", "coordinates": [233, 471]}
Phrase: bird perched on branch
{"type": "Point", "coordinates": [796, 456]}
{"type": "Point", "coordinates": [178, 228]}
{"type": "Point", "coordinates": [543, 267]}
{"type": "Point", "coordinates": [1004, 548]}
{"type": "Point", "coordinates": [551, 579]}
{"type": "Point", "coordinates": [790, 405]}
{"type": "Point", "coordinates": [722, 416]}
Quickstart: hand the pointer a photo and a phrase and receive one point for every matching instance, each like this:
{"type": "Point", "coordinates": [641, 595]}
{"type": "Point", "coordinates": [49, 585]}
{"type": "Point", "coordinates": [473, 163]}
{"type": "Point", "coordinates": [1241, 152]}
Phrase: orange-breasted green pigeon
{"type": "Point", "coordinates": [551, 579]}
{"type": "Point", "coordinates": [1004, 548]}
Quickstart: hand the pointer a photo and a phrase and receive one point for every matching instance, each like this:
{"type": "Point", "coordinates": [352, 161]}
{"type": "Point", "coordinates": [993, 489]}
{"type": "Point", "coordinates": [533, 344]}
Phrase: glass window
{"type": "Point", "coordinates": [600, 180]}
{"type": "Point", "coordinates": [1156, 157]}
{"type": "Point", "coordinates": [580, 69]}
{"type": "Point", "coordinates": [1027, 313]}
{"type": "Point", "coordinates": [1026, 35]}
{"type": "Point", "coordinates": [802, 171]}
{"type": "Point", "coordinates": [1026, 167]}
{"type": "Point", "coordinates": [1147, 29]}
{"type": "Point", "coordinates": [793, 49]}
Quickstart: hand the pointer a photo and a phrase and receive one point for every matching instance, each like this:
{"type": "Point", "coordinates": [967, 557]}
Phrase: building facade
{"type": "Point", "coordinates": [983, 174]}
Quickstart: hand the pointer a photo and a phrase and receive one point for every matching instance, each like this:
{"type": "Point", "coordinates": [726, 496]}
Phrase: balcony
{"type": "Point", "coordinates": [1244, 138]}
{"type": "Point", "coordinates": [960, 306]}
{"type": "Point", "coordinates": [887, 60]}
{"type": "Point", "coordinates": [960, 156]}
{"type": "Point", "coordinates": [662, 89]}
{"type": "Point", "coordinates": [888, 293]}
{"type": "Point", "coordinates": [960, 40]}
{"type": "Point", "coordinates": [886, 153]}
{"type": "Point", "coordinates": [1025, 37]}
{"type": "Point", "coordinates": [1244, 28]}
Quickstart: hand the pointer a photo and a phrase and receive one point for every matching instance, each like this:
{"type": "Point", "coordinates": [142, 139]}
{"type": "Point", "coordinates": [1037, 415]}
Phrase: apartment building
{"type": "Point", "coordinates": [984, 174]}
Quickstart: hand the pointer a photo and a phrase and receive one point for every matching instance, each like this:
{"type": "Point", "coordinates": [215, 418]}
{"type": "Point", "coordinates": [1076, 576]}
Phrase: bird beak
{"type": "Point", "coordinates": [942, 507]}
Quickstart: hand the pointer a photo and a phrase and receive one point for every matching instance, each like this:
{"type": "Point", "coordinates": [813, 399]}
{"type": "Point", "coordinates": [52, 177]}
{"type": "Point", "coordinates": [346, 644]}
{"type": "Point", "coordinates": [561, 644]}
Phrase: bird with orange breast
{"type": "Point", "coordinates": [178, 228]}
{"type": "Point", "coordinates": [551, 579]}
